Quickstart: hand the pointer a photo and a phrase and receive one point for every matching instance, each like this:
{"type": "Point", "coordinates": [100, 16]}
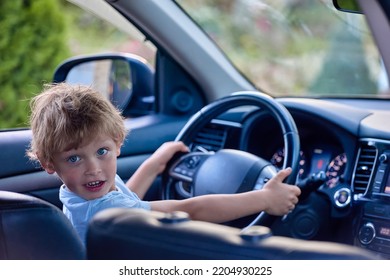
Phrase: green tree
{"type": "Point", "coordinates": [345, 72]}
{"type": "Point", "coordinates": [32, 44]}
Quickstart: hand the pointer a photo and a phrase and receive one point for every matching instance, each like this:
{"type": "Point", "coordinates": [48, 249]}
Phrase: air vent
{"type": "Point", "coordinates": [212, 137]}
{"type": "Point", "coordinates": [364, 168]}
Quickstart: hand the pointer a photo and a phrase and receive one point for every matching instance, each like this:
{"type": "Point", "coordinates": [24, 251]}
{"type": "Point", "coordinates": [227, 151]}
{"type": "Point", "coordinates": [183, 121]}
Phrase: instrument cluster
{"type": "Point", "coordinates": [316, 159]}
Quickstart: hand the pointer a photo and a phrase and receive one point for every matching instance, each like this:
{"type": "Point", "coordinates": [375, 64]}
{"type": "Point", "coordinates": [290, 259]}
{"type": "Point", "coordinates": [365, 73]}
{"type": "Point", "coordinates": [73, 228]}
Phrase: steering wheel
{"type": "Point", "coordinates": [227, 170]}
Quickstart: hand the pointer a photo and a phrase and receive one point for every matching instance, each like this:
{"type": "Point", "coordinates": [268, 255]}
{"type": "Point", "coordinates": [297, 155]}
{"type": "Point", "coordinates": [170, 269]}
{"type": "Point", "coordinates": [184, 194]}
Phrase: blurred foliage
{"type": "Point", "coordinates": [90, 34]}
{"type": "Point", "coordinates": [37, 35]}
{"type": "Point", "coordinates": [294, 47]}
{"type": "Point", "coordinates": [351, 66]}
{"type": "Point", "coordinates": [32, 43]}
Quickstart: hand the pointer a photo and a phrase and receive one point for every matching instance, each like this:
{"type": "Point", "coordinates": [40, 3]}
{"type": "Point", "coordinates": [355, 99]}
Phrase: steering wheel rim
{"type": "Point", "coordinates": [247, 98]}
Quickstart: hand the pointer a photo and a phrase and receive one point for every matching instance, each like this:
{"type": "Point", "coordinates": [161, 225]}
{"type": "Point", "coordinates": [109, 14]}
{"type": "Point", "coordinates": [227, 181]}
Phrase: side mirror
{"type": "Point", "coordinates": [350, 6]}
{"type": "Point", "coordinates": [126, 80]}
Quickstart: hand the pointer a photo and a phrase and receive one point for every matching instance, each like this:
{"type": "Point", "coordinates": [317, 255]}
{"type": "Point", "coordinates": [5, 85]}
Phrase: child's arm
{"type": "Point", "coordinates": [276, 198]}
{"type": "Point", "coordinates": [144, 176]}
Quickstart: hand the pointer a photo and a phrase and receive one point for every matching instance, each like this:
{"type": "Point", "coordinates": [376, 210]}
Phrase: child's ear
{"type": "Point", "coordinates": [118, 150]}
{"type": "Point", "coordinates": [49, 167]}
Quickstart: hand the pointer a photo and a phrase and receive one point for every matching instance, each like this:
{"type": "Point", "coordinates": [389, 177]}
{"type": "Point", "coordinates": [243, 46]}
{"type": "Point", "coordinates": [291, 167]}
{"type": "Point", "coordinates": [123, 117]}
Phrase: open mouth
{"type": "Point", "coordinates": [95, 186]}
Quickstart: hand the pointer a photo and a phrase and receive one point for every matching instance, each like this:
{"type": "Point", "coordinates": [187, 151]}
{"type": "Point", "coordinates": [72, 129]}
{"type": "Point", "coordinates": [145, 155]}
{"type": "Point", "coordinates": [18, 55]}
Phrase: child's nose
{"type": "Point", "coordinates": [93, 167]}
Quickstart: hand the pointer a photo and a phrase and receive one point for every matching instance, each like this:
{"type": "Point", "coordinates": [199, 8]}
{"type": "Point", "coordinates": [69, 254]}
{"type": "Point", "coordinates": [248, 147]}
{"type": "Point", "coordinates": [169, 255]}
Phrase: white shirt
{"type": "Point", "coordinates": [80, 211]}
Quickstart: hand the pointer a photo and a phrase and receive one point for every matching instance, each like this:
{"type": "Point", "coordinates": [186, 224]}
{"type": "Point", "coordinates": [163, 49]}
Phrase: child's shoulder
{"type": "Point", "coordinates": [120, 184]}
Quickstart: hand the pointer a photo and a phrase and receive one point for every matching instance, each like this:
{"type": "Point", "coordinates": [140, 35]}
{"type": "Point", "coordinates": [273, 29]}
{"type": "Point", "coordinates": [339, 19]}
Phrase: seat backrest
{"type": "Point", "coordinates": [147, 235]}
{"type": "Point", "coordinates": [31, 228]}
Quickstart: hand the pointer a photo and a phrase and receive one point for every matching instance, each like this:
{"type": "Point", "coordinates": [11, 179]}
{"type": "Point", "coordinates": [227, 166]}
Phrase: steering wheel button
{"type": "Point", "coordinates": [192, 162]}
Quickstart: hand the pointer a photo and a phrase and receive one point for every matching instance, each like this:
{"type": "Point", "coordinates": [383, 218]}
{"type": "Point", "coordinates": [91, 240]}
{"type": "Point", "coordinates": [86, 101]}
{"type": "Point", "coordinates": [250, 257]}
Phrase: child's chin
{"type": "Point", "coordinates": [94, 195]}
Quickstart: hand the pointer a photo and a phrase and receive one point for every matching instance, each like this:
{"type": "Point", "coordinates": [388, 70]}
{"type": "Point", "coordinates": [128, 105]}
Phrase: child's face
{"type": "Point", "coordinates": [89, 171]}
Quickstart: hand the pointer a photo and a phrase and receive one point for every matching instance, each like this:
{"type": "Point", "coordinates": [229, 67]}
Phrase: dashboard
{"type": "Point", "coordinates": [321, 148]}
{"type": "Point", "coordinates": [318, 158]}
{"type": "Point", "coordinates": [350, 145]}
{"type": "Point", "coordinates": [372, 187]}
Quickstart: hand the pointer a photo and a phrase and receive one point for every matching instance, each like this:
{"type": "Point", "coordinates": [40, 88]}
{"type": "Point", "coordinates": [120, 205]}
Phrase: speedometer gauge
{"type": "Point", "coordinates": [278, 159]}
{"type": "Point", "coordinates": [335, 169]}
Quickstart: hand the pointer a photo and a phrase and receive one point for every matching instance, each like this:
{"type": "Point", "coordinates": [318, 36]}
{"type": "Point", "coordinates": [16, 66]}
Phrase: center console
{"type": "Point", "coordinates": [373, 229]}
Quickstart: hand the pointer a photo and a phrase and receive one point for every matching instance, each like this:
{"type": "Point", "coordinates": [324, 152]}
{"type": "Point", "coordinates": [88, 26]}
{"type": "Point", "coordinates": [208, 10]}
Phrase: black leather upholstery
{"type": "Point", "coordinates": [31, 228]}
{"type": "Point", "coordinates": [139, 234]}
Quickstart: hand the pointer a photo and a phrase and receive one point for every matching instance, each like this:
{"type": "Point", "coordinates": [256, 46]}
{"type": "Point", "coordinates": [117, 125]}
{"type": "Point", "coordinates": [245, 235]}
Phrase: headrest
{"type": "Point", "coordinates": [31, 228]}
{"type": "Point", "coordinates": [147, 235]}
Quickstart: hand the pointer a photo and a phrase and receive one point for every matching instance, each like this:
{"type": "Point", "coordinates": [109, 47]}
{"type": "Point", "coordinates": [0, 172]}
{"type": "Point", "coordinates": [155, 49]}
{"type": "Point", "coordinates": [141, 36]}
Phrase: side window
{"type": "Point", "coordinates": [98, 28]}
{"type": "Point", "coordinates": [44, 36]}
{"type": "Point", "coordinates": [119, 62]}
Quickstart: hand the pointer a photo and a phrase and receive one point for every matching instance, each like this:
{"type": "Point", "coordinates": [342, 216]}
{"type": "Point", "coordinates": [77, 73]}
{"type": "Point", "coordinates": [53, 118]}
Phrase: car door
{"type": "Point", "coordinates": [176, 97]}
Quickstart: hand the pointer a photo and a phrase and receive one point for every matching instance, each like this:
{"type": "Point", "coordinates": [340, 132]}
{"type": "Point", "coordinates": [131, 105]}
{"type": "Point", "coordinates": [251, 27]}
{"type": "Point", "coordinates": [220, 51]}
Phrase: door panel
{"type": "Point", "coordinates": [20, 175]}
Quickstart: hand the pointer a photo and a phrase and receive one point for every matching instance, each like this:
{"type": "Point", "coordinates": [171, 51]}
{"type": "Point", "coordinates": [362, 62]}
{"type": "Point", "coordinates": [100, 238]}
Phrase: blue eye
{"type": "Point", "coordinates": [73, 159]}
{"type": "Point", "coordinates": [102, 151]}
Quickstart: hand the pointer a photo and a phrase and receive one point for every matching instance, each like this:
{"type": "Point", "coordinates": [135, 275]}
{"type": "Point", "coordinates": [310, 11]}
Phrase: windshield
{"type": "Point", "coordinates": [295, 47]}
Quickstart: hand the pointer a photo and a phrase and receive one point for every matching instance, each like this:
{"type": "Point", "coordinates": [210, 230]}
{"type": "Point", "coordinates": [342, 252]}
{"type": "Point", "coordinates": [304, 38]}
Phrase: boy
{"type": "Point", "coordinates": [77, 134]}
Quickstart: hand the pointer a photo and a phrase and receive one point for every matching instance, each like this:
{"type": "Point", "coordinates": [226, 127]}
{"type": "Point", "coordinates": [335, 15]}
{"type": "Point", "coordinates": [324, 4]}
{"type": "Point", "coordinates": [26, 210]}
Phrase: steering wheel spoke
{"type": "Point", "coordinates": [185, 168]}
{"type": "Point", "coordinates": [267, 173]}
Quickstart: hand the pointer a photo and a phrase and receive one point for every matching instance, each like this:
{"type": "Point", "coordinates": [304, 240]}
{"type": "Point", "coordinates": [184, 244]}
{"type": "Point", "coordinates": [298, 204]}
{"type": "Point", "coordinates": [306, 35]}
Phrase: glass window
{"type": "Point", "coordinates": [46, 33]}
{"type": "Point", "coordinates": [296, 47]}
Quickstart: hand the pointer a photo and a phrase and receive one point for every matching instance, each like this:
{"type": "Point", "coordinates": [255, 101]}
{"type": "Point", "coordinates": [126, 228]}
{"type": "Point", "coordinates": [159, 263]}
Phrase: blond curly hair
{"type": "Point", "coordinates": [63, 116]}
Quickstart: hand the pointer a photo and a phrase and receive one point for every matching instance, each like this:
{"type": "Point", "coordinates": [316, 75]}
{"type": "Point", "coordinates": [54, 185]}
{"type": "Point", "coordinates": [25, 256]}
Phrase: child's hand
{"type": "Point", "coordinates": [280, 197]}
{"type": "Point", "coordinates": [143, 178]}
{"type": "Point", "coordinates": [158, 161]}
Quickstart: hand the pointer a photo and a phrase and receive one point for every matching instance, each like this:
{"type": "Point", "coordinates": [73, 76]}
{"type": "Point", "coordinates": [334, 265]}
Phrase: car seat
{"type": "Point", "coordinates": [33, 229]}
{"type": "Point", "coordinates": [146, 235]}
